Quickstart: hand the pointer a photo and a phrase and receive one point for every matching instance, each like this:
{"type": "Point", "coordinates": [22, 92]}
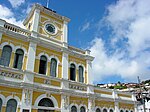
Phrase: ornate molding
{"type": "Point", "coordinates": [77, 87]}
{"type": "Point", "coordinates": [11, 75]}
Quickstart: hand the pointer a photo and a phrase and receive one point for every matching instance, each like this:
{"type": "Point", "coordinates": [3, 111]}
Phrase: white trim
{"type": "Point", "coordinates": [97, 107]}
{"type": "Point", "coordinates": [52, 23]}
{"type": "Point", "coordinates": [41, 54]}
{"type": "Point", "coordinates": [20, 47]}
{"type": "Point", "coordinates": [45, 96]}
{"type": "Point", "coordinates": [105, 108]}
{"type": "Point", "coordinates": [121, 109]}
{"type": "Point", "coordinates": [83, 105]}
{"type": "Point", "coordinates": [76, 66]}
{"type": "Point", "coordinates": [72, 62]}
{"type": "Point", "coordinates": [3, 99]}
{"type": "Point", "coordinates": [73, 104]}
{"type": "Point", "coordinates": [83, 71]}
{"type": "Point", "coordinates": [10, 44]}
{"type": "Point", "coordinates": [126, 110]}
{"type": "Point", "coordinates": [15, 97]}
{"type": "Point", "coordinates": [131, 110]}
{"type": "Point", "coordinates": [112, 109]}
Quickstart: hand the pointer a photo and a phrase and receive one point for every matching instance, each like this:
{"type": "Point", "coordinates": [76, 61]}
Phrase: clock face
{"type": "Point", "coordinates": [50, 28]}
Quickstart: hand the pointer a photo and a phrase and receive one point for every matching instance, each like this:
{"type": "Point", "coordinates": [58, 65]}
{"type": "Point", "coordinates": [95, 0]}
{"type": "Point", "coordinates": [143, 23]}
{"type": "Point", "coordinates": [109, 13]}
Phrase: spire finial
{"type": "Point", "coordinates": [47, 3]}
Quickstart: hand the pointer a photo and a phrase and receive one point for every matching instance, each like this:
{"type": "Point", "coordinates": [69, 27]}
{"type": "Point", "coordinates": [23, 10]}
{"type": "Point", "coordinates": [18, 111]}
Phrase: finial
{"type": "Point", "coordinates": [47, 3]}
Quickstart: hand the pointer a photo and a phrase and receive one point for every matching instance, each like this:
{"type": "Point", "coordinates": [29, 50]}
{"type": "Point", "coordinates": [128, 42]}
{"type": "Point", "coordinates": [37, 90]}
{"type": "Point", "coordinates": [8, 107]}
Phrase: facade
{"type": "Point", "coordinates": [40, 72]}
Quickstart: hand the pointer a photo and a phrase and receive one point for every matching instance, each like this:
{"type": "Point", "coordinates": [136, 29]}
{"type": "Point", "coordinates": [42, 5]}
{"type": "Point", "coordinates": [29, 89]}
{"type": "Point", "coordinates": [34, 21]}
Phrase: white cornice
{"type": "Point", "coordinates": [46, 11]}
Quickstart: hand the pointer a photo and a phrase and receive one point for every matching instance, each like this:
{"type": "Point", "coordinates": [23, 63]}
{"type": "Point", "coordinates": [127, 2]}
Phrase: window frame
{"type": "Point", "coordinates": [10, 105]}
{"type": "Point", "coordinates": [4, 54]}
{"type": "Point", "coordinates": [74, 75]}
{"type": "Point", "coordinates": [53, 71]}
{"type": "Point", "coordinates": [45, 64]}
{"type": "Point", "coordinates": [17, 55]}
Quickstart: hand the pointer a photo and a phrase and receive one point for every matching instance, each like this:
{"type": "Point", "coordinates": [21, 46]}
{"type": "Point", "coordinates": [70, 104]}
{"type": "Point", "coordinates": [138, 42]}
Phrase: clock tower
{"type": "Point", "coordinates": [44, 22]}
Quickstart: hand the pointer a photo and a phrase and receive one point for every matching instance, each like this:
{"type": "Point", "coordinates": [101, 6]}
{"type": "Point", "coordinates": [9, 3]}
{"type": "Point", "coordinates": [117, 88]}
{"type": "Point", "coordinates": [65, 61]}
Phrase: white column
{"type": "Point", "coordinates": [89, 71]}
{"type": "Point", "coordinates": [31, 56]}
{"type": "Point", "coordinates": [89, 68]}
{"type": "Point", "coordinates": [36, 18]}
{"type": "Point", "coordinates": [91, 105]}
{"type": "Point", "coordinates": [115, 96]}
{"type": "Point", "coordinates": [65, 65]}
{"type": "Point", "coordinates": [26, 102]}
{"type": "Point", "coordinates": [65, 32]}
{"type": "Point", "coordinates": [2, 23]}
{"type": "Point", "coordinates": [64, 103]}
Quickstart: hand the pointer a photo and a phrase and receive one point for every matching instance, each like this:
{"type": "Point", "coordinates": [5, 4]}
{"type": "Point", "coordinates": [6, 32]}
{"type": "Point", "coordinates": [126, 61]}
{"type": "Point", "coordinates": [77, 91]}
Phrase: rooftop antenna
{"type": "Point", "coordinates": [47, 3]}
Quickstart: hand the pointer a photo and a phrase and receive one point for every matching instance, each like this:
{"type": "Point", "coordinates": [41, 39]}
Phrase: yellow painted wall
{"type": "Point", "coordinates": [7, 91]}
{"type": "Point", "coordinates": [103, 92]}
{"type": "Point", "coordinates": [50, 53]}
{"type": "Point", "coordinates": [15, 42]}
{"type": "Point", "coordinates": [37, 94]}
{"type": "Point", "coordinates": [44, 18]}
{"type": "Point", "coordinates": [78, 61]}
{"type": "Point", "coordinates": [124, 95]}
{"type": "Point", "coordinates": [126, 105]}
{"type": "Point", "coordinates": [103, 103]}
{"type": "Point", "coordinates": [79, 100]}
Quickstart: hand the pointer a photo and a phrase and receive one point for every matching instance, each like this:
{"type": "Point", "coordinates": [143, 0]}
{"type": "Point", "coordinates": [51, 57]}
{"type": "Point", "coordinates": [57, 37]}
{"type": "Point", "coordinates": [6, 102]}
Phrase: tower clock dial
{"type": "Point", "coordinates": [50, 28]}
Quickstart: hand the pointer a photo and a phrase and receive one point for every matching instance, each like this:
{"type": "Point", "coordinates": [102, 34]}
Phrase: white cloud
{"type": "Point", "coordinates": [128, 19]}
{"type": "Point", "coordinates": [16, 3]}
{"type": "Point", "coordinates": [8, 15]}
{"type": "Point", "coordinates": [85, 27]}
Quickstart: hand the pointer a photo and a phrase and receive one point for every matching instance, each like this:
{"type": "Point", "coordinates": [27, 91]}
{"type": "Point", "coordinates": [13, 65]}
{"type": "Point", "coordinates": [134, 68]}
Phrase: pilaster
{"type": "Point", "coordinates": [65, 32]}
{"type": "Point", "coordinates": [89, 68]}
{"type": "Point", "coordinates": [31, 56]}
{"type": "Point", "coordinates": [65, 65]}
{"type": "Point", "coordinates": [91, 104]}
{"type": "Point", "coordinates": [89, 71]}
{"type": "Point", "coordinates": [36, 18]}
{"type": "Point", "coordinates": [64, 103]}
{"type": "Point", "coordinates": [115, 96]}
{"type": "Point", "coordinates": [26, 103]}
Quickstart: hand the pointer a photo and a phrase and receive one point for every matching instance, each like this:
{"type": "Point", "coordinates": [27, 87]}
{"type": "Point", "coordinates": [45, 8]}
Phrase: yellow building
{"type": "Point", "coordinates": [40, 72]}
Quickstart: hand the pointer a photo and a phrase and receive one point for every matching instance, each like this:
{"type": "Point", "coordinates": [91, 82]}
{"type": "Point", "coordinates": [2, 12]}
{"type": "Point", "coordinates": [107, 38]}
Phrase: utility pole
{"type": "Point", "coordinates": [142, 97]}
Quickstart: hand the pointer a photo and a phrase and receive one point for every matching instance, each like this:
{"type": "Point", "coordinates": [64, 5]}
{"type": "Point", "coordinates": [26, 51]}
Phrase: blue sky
{"type": "Point", "coordinates": [116, 32]}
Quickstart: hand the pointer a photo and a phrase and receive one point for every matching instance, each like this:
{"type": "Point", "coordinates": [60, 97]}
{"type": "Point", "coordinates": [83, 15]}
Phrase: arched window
{"type": "Point", "coordinates": [121, 110]}
{"type": "Point", "coordinates": [111, 110]}
{"type": "Point", "coordinates": [73, 109]}
{"type": "Point", "coordinates": [11, 105]}
{"type": "Point", "coordinates": [0, 104]}
{"type": "Point", "coordinates": [43, 65]}
{"type": "Point", "coordinates": [127, 111]}
{"type": "Point", "coordinates": [72, 72]}
{"type": "Point", "coordinates": [82, 109]}
{"type": "Point", "coordinates": [81, 78]}
{"type": "Point", "coordinates": [53, 68]}
{"type": "Point", "coordinates": [46, 102]}
{"type": "Point", "coordinates": [104, 110]}
{"type": "Point", "coordinates": [18, 58]}
{"type": "Point", "coordinates": [98, 110]}
{"type": "Point", "coordinates": [6, 55]}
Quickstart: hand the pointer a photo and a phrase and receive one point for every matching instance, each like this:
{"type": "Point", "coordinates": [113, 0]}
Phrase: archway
{"type": "Point", "coordinates": [45, 102]}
